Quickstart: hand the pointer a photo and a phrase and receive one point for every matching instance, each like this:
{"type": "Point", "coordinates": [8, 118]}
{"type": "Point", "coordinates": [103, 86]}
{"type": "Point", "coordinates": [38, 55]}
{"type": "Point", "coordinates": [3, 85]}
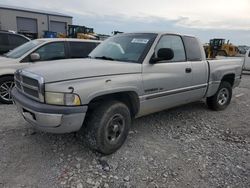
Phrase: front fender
{"type": "Point", "coordinates": [90, 88]}
{"type": "Point", "coordinates": [4, 72]}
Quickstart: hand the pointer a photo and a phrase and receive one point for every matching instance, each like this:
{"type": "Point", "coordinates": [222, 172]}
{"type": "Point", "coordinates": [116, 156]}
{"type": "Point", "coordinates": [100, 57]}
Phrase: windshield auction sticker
{"type": "Point", "coordinates": [140, 41]}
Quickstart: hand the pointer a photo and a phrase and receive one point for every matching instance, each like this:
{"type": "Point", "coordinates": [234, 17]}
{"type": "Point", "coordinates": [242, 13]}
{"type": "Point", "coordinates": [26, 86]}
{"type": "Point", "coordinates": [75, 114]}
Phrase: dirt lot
{"type": "Point", "coordinates": [189, 146]}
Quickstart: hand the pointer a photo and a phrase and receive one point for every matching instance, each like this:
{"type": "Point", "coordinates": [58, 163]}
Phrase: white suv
{"type": "Point", "coordinates": [39, 50]}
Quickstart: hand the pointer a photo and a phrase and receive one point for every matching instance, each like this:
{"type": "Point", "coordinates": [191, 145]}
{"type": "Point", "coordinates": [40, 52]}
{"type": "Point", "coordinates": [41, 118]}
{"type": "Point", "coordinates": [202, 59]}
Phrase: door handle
{"type": "Point", "coordinates": [188, 70]}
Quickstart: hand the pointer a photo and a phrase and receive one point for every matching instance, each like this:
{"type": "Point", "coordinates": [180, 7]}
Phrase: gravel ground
{"type": "Point", "coordinates": [189, 146]}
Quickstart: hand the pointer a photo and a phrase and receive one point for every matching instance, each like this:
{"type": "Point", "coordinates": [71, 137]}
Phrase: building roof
{"type": "Point", "coordinates": [9, 7]}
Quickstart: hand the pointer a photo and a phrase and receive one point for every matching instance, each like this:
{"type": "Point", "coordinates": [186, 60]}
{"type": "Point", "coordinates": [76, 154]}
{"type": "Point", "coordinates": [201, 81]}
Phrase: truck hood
{"type": "Point", "coordinates": [62, 70]}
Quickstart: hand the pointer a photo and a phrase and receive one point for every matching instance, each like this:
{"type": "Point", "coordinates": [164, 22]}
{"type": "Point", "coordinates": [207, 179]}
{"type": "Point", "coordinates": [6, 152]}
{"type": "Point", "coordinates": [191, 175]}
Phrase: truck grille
{"type": "Point", "coordinates": [30, 85]}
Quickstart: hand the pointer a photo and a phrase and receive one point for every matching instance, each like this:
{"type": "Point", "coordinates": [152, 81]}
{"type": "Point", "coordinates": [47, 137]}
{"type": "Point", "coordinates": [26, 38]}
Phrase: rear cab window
{"type": "Point", "coordinates": [81, 49]}
{"type": "Point", "coordinates": [193, 50]}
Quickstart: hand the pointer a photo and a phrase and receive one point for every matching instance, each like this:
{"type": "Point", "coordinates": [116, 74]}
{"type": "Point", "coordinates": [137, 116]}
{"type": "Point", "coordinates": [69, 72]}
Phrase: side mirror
{"type": "Point", "coordinates": [34, 57]}
{"type": "Point", "coordinates": [163, 54]}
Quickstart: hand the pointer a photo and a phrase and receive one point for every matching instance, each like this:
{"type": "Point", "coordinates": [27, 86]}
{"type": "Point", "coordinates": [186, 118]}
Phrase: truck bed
{"type": "Point", "coordinates": [223, 66]}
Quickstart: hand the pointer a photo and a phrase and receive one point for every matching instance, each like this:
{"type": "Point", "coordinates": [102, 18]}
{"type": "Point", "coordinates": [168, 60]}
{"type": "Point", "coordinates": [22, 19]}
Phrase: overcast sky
{"type": "Point", "coordinates": [228, 19]}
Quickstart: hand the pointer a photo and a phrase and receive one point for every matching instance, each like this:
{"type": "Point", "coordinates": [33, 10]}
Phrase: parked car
{"type": "Point", "coordinates": [9, 41]}
{"type": "Point", "coordinates": [125, 77]}
{"type": "Point", "coordinates": [37, 51]}
{"type": "Point", "coordinates": [247, 61]}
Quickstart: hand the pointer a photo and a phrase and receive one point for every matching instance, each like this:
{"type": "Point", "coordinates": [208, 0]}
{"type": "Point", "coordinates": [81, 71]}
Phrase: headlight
{"type": "Point", "coordinates": [68, 99]}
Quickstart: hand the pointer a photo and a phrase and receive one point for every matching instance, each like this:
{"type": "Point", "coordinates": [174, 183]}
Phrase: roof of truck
{"type": "Point", "coordinates": [159, 33]}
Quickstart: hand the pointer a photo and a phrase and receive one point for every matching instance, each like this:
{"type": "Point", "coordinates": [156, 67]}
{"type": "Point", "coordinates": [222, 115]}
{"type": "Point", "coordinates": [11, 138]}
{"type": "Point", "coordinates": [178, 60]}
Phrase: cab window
{"type": "Point", "coordinates": [175, 43]}
{"type": "Point", "coordinates": [52, 51]}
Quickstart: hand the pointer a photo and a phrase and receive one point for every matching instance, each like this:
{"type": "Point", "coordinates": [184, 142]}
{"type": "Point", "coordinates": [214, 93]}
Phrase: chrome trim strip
{"type": "Point", "coordinates": [30, 87]}
{"type": "Point", "coordinates": [172, 92]}
{"type": "Point", "coordinates": [214, 82]}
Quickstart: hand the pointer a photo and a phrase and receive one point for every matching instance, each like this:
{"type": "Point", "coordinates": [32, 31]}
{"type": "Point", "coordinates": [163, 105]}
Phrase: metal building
{"type": "Point", "coordinates": [32, 22]}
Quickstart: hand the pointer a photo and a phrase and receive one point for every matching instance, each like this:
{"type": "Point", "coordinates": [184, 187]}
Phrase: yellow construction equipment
{"type": "Point", "coordinates": [77, 31]}
{"type": "Point", "coordinates": [81, 32]}
{"type": "Point", "coordinates": [218, 47]}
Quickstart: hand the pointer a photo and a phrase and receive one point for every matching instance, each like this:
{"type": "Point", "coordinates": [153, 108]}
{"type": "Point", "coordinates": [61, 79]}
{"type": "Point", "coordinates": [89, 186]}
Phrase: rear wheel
{"type": "Point", "coordinates": [108, 126]}
{"type": "Point", "coordinates": [222, 98]}
{"type": "Point", "coordinates": [6, 85]}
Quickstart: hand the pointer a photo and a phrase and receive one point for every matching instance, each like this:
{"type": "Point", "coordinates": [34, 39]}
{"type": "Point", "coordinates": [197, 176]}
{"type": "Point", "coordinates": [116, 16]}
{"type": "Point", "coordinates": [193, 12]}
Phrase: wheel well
{"type": "Point", "coordinates": [229, 78]}
{"type": "Point", "coordinates": [130, 98]}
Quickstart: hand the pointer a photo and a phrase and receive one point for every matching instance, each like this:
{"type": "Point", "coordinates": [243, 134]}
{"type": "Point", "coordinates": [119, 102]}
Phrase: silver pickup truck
{"type": "Point", "coordinates": [127, 76]}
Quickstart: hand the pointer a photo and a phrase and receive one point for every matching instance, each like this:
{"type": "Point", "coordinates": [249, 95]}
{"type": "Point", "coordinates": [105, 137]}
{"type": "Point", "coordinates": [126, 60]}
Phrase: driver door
{"type": "Point", "coordinates": [166, 83]}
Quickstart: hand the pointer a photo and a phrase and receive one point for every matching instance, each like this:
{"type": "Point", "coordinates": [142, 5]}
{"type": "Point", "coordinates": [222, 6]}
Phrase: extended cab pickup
{"type": "Point", "coordinates": [125, 77]}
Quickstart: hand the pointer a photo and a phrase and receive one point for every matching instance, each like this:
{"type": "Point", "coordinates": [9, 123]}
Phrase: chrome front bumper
{"type": "Point", "coordinates": [49, 118]}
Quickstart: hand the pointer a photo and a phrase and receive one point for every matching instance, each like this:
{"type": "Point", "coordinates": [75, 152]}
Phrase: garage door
{"type": "Point", "coordinates": [26, 25]}
{"type": "Point", "coordinates": [59, 27]}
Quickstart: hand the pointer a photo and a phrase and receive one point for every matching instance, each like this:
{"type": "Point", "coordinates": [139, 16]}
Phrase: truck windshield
{"type": "Point", "coordinates": [21, 50]}
{"type": "Point", "coordinates": [124, 47]}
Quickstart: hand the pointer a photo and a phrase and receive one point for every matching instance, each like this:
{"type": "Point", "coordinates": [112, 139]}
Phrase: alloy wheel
{"type": "Point", "coordinates": [5, 90]}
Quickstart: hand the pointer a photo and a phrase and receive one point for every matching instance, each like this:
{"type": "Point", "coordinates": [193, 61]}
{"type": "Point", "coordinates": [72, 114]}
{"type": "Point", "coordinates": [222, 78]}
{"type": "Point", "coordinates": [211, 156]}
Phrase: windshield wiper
{"type": "Point", "coordinates": [105, 57]}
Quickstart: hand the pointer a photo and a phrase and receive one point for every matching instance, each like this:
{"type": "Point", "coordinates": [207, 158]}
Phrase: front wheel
{"type": "Point", "coordinates": [108, 126]}
{"type": "Point", "coordinates": [222, 98]}
{"type": "Point", "coordinates": [6, 85]}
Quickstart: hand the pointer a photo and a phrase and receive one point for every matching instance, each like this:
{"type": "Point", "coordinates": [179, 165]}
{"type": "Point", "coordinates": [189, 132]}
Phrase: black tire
{"type": "Point", "coordinates": [102, 133]}
{"type": "Point", "coordinates": [6, 85]}
{"type": "Point", "coordinates": [222, 97]}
